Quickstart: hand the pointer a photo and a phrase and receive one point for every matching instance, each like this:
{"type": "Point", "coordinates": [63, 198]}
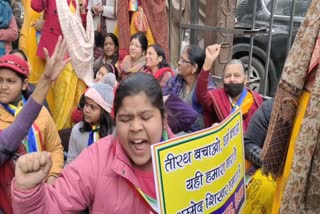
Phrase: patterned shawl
{"type": "Point", "coordinates": [301, 193]}
{"type": "Point", "coordinates": [156, 14]}
{"type": "Point", "coordinates": [128, 67]}
{"type": "Point", "coordinates": [80, 41]}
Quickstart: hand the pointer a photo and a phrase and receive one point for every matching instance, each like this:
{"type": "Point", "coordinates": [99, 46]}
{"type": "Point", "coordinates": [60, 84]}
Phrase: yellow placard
{"type": "Point", "coordinates": [202, 172]}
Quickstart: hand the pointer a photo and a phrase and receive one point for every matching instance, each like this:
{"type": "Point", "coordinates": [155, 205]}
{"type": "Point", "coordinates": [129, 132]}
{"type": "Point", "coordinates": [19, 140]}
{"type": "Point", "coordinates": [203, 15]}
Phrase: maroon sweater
{"type": "Point", "coordinates": [216, 105]}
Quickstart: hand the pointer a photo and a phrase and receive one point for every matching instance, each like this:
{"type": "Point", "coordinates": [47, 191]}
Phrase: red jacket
{"type": "Point", "coordinates": [216, 104]}
{"type": "Point", "coordinates": [51, 28]}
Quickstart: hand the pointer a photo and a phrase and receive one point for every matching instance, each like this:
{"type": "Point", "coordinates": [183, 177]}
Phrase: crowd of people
{"type": "Point", "coordinates": [120, 99]}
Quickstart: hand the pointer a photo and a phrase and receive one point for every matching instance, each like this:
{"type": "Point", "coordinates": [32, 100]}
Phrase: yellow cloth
{"type": "Point", "coordinates": [259, 194]}
{"type": "Point", "coordinates": [283, 179]}
{"type": "Point", "coordinates": [50, 135]}
{"type": "Point", "coordinates": [28, 42]}
{"type": "Point", "coordinates": [134, 30]}
{"type": "Point", "coordinates": [247, 103]}
{"type": "Point", "coordinates": [260, 191]}
{"type": "Point", "coordinates": [67, 92]}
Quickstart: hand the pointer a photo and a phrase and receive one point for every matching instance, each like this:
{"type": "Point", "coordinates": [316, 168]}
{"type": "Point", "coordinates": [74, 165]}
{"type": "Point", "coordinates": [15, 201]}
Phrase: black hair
{"type": "Point", "coordinates": [196, 56]}
{"type": "Point", "coordinates": [160, 52]}
{"type": "Point", "coordinates": [142, 39]}
{"type": "Point", "coordinates": [106, 124]}
{"type": "Point", "coordinates": [82, 102]}
{"type": "Point", "coordinates": [98, 39]}
{"type": "Point", "coordinates": [26, 93]}
{"type": "Point", "coordinates": [114, 38]}
{"type": "Point", "coordinates": [136, 83]}
{"type": "Point", "coordinates": [17, 50]}
{"type": "Point", "coordinates": [111, 69]}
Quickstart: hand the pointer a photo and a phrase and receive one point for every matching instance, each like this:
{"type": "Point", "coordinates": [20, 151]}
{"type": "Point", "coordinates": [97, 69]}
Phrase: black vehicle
{"type": "Point", "coordinates": [280, 33]}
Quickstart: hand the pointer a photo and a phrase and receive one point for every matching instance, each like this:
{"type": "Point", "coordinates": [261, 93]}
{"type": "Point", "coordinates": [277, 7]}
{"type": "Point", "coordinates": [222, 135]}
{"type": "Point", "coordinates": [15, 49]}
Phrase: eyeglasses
{"type": "Point", "coordinates": [184, 61]}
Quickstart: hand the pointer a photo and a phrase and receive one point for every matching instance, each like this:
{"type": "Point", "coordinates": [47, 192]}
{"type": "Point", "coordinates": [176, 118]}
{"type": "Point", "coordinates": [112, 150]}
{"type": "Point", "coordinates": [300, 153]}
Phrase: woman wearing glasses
{"type": "Point", "coordinates": [135, 61]}
{"type": "Point", "coordinates": [183, 85]}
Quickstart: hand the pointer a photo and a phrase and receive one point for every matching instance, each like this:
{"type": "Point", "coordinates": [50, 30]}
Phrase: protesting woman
{"type": "Point", "coordinates": [118, 165]}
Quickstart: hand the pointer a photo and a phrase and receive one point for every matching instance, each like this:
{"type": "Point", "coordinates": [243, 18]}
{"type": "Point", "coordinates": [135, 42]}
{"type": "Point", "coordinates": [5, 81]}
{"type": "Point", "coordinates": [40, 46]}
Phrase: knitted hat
{"type": "Point", "coordinates": [102, 94]}
{"type": "Point", "coordinates": [15, 63]}
{"type": "Point", "coordinates": [109, 79]}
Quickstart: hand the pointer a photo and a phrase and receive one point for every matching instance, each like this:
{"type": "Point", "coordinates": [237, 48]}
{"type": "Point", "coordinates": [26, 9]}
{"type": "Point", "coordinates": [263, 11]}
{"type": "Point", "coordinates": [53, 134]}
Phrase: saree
{"type": "Point", "coordinates": [28, 42]}
{"type": "Point", "coordinates": [291, 153]}
{"type": "Point", "coordinates": [69, 87]}
{"type": "Point", "coordinates": [156, 14]}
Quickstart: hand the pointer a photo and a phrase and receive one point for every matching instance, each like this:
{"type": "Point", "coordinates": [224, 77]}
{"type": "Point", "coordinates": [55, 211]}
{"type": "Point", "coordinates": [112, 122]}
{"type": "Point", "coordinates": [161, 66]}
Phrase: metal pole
{"type": "Point", "coordinates": [273, 3]}
{"type": "Point", "coordinates": [170, 28]}
{"type": "Point", "coordinates": [194, 20]}
{"type": "Point", "coordinates": [252, 37]}
{"type": "Point", "coordinates": [293, 8]}
{"type": "Point", "coordinates": [180, 31]}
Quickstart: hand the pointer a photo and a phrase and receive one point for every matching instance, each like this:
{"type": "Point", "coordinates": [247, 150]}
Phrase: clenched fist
{"type": "Point", "coordinates": [212, 52]}
{"type": "Point", "coordinates": [32, 169]}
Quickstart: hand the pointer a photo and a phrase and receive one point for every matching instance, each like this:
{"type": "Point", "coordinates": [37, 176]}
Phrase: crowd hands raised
{"type": "Point", "coordinates": [136, 100]}
{"type": "Point", "coordinates": [126, 115]}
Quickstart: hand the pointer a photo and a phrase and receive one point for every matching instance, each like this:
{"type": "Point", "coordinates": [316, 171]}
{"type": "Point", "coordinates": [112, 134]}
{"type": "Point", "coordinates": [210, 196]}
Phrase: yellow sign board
{"type": "Point", "coordinates": [202, 172]}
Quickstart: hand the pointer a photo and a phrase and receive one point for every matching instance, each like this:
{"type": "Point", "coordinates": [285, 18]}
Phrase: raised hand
{"type": "Point", "coordinates": [32, 169]}
{"type": "Point", "coordinates": [212, 52]}
{"type": "Point", "coordinates": [55, 63]}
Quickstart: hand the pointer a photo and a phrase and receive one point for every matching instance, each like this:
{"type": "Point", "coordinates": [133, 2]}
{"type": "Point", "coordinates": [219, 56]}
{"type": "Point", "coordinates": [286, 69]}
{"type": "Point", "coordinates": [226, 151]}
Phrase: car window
{"type": "Point", "coordinates": [283, 7]}
{"type": "Point", "coordinates": [266, 2]}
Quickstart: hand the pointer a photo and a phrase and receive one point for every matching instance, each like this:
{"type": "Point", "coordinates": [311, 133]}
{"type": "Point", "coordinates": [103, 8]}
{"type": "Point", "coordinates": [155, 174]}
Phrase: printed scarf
{"type": "Point", "coordinates": [80, 41]}
{"type": "Point", "coordinates": [93, 135]}
{"type": "Point", "coordinates": [33, 142]}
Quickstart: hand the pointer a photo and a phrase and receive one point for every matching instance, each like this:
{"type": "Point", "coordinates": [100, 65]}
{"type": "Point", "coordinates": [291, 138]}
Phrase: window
{"type": "Point", "coordinates": [283, 7]}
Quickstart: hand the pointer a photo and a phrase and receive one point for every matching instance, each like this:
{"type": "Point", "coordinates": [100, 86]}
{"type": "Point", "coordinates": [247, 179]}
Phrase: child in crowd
{"type": "Point", "coordinates": [11, 138]}
{"type": "Point", "coordinates": [97, 121]}
{"type": "Point", "coordinates": [31, 86]}
{"type": "Point", "coordinates": [110, 175]}
{"type": "Point", "coordinates": [14, 93]}
{"type": "Point", "coordinates": [104, 69]}
{"type": "Point", "coordinates": [77, 115]}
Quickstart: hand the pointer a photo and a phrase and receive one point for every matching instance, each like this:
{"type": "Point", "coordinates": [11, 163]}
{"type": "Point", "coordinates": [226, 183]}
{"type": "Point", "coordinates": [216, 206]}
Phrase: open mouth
{"type": "Point", "coordinates": [140, 146]}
